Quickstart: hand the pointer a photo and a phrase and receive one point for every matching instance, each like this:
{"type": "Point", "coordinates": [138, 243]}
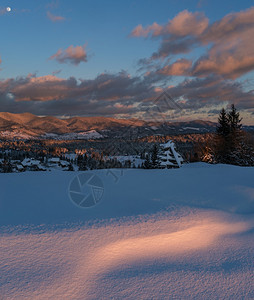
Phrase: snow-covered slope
{"type": "Point", "coordinates": [26, 125]}
{"type": "Point", "coordinates": [155, 234]}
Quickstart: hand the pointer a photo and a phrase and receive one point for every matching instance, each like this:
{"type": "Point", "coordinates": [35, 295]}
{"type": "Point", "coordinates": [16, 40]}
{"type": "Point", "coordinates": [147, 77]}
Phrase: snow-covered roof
{"type": "Point", "coordinates": [167, 163]}
{"type": "Point", "coordinates": [28, 162]}
{"type": "Point", "coordinates": [42, 168]}
{"type": "Point", "coordinates": [54, 159]}
{"type": "Point", "coordinates": [168, 144]}
{"type": "Point", "coordinates": [19, 167]}
{"type": "Point", "coordinates": [64, 163]}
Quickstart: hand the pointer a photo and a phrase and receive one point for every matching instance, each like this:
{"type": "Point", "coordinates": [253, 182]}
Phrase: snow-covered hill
{"type": "Point", "coordinates": [29, 126]}
{"type": "Point", "coordinates": [155, 234]}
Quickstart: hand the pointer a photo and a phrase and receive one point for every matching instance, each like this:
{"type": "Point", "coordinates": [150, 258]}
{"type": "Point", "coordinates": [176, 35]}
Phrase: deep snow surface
{"type": "Point", "coordinates": [156, 234]}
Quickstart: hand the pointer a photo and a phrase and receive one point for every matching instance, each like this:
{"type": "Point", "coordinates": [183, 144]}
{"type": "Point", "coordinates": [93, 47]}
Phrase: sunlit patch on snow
{"type": "Point", "coordinates": [193, 238]}
{"type": "Point", "coordinates": [71, 264]}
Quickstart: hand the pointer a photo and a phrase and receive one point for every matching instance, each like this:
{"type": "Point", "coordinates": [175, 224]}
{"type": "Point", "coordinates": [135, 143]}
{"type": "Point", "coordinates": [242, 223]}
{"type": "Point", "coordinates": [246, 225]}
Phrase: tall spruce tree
{"type": "Point", "coordinates": [147, 163]}
{"type": "Point", "coordinates": [232, 146]}
{"type": "Point", "coordinates": [234, 119]}
{"type": "Point", "coordinates": [223, 128]}
{"type": "Point", "coordinates": [236, 134]}
{"type": "Point", "coordinates": [222, 141]}
{"type": "Point", "coordinates": [154, 157]}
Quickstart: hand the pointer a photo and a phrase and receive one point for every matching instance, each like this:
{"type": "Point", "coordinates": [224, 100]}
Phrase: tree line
{"type": "Point", "coordinates": [231, 144]}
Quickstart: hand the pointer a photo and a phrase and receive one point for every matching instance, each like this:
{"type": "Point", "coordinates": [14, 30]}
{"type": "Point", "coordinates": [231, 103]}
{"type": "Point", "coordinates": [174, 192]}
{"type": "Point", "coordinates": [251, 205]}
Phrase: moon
{"type": "Point", "coordinates": [8, 9]}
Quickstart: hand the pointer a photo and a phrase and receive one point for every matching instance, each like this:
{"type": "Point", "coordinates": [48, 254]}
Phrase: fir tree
{"type": "Point", "coordinates": [147, 163]}
{"type": "Point", "coordinates": [222, 140]}
{"type": "Point", "coordinates": [82, 162]}
{"type": "Point", "coordinates": [154, 157]}
{"type": "Point", "coordinates": [235, 125]}
{"type": "Point", "coordinates": [231, 144]}
{"type": "Point", "coordinates": [7, 167]}
{"type": "Point", "coordinates": [234, 119]}
{"type": "Point", "coordinates": [223, 128]}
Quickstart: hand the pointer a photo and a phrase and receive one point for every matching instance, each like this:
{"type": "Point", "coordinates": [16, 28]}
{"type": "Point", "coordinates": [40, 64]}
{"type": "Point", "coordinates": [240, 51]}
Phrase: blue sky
{"type": "Point", "coordinates": [93, 43]}
{"type": "Point", "coordinates": [31, 38]}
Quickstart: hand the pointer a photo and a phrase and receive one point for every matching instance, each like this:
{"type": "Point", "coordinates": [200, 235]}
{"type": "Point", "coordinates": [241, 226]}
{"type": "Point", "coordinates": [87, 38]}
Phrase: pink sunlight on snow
{"type": "Point", "coordinates": [77, 264]}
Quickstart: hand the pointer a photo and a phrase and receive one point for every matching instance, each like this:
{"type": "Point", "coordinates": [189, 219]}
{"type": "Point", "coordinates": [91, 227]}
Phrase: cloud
{"type": "Point", "coordinates": [187, 24]}
{"type": "Point", "coordinates": [232, 51]}
{"type": "Point", "coordinates": [174, 46]}
{"type": "Point", "coordinates": [54, 18]}
{"type": "Point", "coordinates": [181, 67]}
{"type": "Point", "coordinates": [107, 94]}
{"type": "Point", "coordinates": [73, 55]}
{"type": "Point", "coordinates": [184, 24]}
{"type": "Point", "coordinates": [212, 90]}
{"type": "Point", "coordinates": [43, 88]}
{"type": "Point", "coordinates": [230, 65]}
{"type": "Point", "coordinates": [230, 26]}
{"type": "Point", "coordinates": [139, 31]}
{"type": "Point", "coordinates": [116, 94]}
{"type": "Point", "coordinates": [178, 35]}
{"type": "Point", "coordinates": [228, 46]}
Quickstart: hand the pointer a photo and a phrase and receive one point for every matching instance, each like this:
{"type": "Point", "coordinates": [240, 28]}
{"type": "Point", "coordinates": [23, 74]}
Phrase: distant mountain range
{"type": "Point", "coordinates": [27, 126]}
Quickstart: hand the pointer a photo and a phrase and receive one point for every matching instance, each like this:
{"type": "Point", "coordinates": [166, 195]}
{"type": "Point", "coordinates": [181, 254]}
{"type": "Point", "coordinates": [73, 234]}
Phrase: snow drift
{"type": "Point", "coordinates": [181, 233]}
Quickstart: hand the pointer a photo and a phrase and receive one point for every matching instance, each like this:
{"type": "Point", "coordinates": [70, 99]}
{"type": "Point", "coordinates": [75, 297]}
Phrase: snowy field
{"type": "Point", "coordinates": [156, 234]}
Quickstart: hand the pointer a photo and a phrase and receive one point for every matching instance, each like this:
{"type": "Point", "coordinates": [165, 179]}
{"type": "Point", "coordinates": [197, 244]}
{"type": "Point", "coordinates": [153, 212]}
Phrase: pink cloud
{"type": "Point", "coordinates": [228, 41]}
{"type": "Point", "coordinates": [140, 31]}
{"type": "Point", "coordinates": [44, 88]}
{"type": "Point", "coordinates": [181, 67]}
{"type": "Point", "coordinates": [109, 94]}
{"type": "Point", "coordinates": [228, 65]}
{"type": "Point", "coordinates": [179, 35]}
{"type": "Point", "coordinates": [230, 26]}
{"type": "Point", "coordinates": [232, 50]}
{"type": "Point", "coordinates": [187, 23]}
{"type": "Point", "coordinates": [54, 18]}
{"type": "Point", "coordinates": [108, 87]}
{"type": "Point", "coordinates": [73, 55]}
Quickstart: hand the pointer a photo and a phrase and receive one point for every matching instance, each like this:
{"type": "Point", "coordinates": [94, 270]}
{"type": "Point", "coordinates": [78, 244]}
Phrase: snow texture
{"type": "Point", "coordinates": [183, 233]}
